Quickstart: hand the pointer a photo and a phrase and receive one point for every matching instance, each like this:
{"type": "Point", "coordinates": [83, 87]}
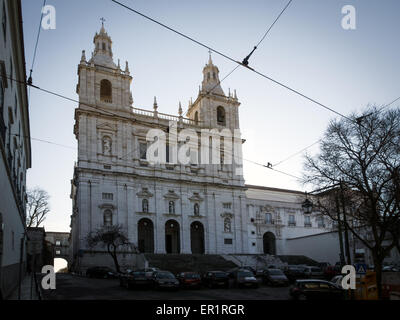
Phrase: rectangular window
{"type": "Point", "coordinates": [58, 252]}
{"type": "Point", "coordinates": [108, 196]}
{"type": "Point", "coordinates": [307, 221]}
{"type": "Point", "coordinates": [167, 153]}
{"type": "Point", "coordinates": [227, 205]}
{"type": "Point", "coordinates": [292, 222]}
{"type": "Point", "coordinates": [58, 243]}
{"type": "Point", "coordinates": [143, 150]}
{"type": "Point", "coordinates": [228, 241]}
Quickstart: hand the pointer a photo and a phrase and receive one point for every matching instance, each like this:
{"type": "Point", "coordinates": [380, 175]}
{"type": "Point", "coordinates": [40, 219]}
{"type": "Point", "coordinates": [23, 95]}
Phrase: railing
{"type": "Point", "coordinates": [292, 224]}
{"type": "Point", "coordinates": [164, 116]}
{"type": "Point", "coordinates": [307, 224]}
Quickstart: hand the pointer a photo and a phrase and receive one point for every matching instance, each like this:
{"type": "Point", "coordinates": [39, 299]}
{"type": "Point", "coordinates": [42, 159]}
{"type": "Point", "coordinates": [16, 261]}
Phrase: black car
{"type": "Point", "coordinates": [189, 280]}
{"type": "Point", "coordinates": [100, 272]}
{"type": "Point", "coordinates": [316, 289]}
{"type": "Point", "coordinates": [294, 273]}
{"type": "Point", "coordinates": [274, 277]}
{"type": "Point", "coordinates": [135, 279]}
{"type": "Point", "coordinates": [243, 278]}
{"type": "Point", "coordinates": [164, 280]}
{"type": "Point", "coordinates": [213, 279]}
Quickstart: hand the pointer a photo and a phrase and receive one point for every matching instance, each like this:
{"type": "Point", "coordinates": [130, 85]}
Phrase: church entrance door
{"type": "Point", "coordinates": [146, 236]}
{"type": "Point", "coordinates": [197, 237]}
{"type": "Point", "coordinates": [172, 237]}
{"type": "Point", "coordinates": [269, 243]}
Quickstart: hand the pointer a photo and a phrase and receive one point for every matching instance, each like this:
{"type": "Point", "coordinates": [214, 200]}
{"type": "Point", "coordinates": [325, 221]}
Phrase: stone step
{"type": "Point", "coordinates": [189, 262]}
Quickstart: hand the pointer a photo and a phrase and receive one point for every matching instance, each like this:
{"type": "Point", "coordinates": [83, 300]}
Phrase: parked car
{"type": "Point", "coordinates": [214, 279]}
{"type": "Point", "coordinates": [323, 265]}
{"type": "Point", "coordinates": [313, 272]}
{"type": "Point", "coordinates": [134, 279]}
{"type": "Point", "coordinates": [189, 279]}
{"type": "Point", "coordinates": [243, 278]}
{"type": "Point", "coordinates": [148, 271]}
{"type": "Point", "coordinates": [390, 269]}
{"type": "Point", "coordinates": [331, 271]}
{"type": "Point", "coordinates": [100, 272]}
{"type": "Point", "coordinates": [294, 272]}
{"type": "Point", "coordinates": [337, 280]}
{"type": "Point", "coordinates": [164, 280]}
{"type": "Point", "coordinates": [316, 289]}
{"type": "Point", "coordinates": [275, 277]}
{"type": "Point", "coordinates": [249, 268]}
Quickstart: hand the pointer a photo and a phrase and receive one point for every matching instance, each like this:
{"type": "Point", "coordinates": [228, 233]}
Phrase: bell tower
{"type": "Point", "coordinates": [212, 107]}
{"type": "Point", "coordinates": [102, 82]}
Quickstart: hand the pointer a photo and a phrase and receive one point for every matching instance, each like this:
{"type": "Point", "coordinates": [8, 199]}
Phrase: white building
{"type": "Point", "coordinates": [15, 148]}
{"type": "Point", "coordinates": [171, 207]}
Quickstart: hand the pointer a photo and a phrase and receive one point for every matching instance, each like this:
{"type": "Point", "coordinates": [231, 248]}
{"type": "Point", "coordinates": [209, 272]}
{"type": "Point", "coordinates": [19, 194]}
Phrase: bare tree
{"type": "Point", "coordinates": [113, 238]}
{"type": "Point", "coordinates": [37, 207]}
{"type": "Point", "coordinates": [360, 157]}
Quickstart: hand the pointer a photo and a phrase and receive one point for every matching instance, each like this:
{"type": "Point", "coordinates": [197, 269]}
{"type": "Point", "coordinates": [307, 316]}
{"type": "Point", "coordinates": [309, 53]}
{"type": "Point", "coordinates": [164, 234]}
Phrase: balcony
{"type": "Point", "coordinates": [307, 225]}
{"type": "Point", "coordinates": [292, 224]}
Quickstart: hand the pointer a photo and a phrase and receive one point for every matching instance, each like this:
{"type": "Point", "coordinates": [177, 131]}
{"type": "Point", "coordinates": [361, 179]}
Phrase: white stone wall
{"type": "Point", "coordinates": [14, 149]}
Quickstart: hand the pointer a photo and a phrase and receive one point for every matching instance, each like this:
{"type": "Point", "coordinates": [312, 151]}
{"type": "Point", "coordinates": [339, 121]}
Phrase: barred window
{"type": "Point", "coordinates": [108, 196]}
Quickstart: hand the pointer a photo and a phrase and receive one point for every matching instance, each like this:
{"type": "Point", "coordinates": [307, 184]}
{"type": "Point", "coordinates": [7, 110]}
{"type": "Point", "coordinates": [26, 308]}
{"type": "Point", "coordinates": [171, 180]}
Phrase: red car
{"type": "Point", "coordinates": [331, 271]}
{"type": "Point", "coordinates": [189, 279]}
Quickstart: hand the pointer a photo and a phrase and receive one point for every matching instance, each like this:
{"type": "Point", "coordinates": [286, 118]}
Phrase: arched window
{"type": "Point", "coordinates": [107, 218]}
{"type": "Point", "coordinates": [221, 115]}
{"type": "Point", "coordinates": [145, 205]}
{"type": "Point", "coordinates": [196, 209]}
{"type": "Point", "coordinates": [171, 207]}
{"type": "Point", "coordinates": [227, 225]}
{"type": "Point", "coordinates": [105, 91]}
{"type": "Point", "coordinates": [104, 46]}
{"type": "Point", "coordinates": [196, 117]}
{"type": "Point", "coordinates": [268, 218]}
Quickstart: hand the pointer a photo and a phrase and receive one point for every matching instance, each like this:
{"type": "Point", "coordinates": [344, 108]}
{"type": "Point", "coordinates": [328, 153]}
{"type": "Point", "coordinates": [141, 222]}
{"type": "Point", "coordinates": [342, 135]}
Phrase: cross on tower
{"type": "Point", "coordinates": [102, 21]}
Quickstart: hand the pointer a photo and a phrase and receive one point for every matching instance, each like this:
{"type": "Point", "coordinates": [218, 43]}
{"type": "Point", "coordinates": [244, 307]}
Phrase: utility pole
{"type": "Point", "coordinates": [346, 236]}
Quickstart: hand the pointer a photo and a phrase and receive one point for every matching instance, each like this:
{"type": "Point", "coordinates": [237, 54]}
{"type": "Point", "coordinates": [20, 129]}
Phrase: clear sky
{"type": "Point", "coordinates": [307, 49]}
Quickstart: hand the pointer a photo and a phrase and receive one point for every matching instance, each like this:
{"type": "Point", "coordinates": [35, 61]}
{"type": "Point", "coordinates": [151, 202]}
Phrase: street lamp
{"type": "Point", "coordinates": [307, 206]}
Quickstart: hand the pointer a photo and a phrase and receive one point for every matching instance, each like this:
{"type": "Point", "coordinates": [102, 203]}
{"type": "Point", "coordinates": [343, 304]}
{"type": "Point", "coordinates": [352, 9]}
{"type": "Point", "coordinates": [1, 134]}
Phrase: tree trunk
{"type": "Point", "coordinates": [114, 256]}
{"type": "Point", "coordinates": [378, 269]}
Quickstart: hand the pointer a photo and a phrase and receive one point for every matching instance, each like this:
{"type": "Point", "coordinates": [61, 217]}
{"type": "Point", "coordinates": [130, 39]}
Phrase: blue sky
{"type": "Point", "coordinates": [307, 49]}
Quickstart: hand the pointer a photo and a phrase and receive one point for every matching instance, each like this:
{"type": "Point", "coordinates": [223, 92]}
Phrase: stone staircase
{"type": "Point", "coordinates": [257, 261]}
{"type": "Point", "coordinates": [189, 262]}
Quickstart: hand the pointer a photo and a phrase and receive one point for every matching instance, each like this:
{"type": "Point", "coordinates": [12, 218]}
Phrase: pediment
{"type": "Point", "coordinates": [227, 215]}
{"type": "Point", "coordinates": [196, 197]}
{"type": "Point", "coordinates": [171, 195]}
{"type": "Point", "coordinates": [107, 206]}
{"type": "Point", "coordinates": [144, 193]}
{"type": "Point", "coordinates": [107, 126]}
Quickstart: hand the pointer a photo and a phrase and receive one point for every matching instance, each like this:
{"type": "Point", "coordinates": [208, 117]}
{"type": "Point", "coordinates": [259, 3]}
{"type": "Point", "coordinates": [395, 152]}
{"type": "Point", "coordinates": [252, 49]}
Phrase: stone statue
{"type": "Point", "coordinates": [107, 146]}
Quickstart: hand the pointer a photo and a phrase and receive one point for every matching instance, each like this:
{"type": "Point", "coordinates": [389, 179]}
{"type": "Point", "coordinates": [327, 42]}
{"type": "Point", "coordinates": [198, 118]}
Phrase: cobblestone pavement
{"type": "Point", "coordinates": [73, 287]}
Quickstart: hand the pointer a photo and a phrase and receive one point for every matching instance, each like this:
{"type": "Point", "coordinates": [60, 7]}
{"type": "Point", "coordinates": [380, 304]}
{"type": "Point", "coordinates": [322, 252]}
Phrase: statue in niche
{"type": "Point", "coordinates": [227, 225]}
{"type": "Point", "coordinates": [196, 209]}
{"type": "Point", "coordinates": [106, 144]}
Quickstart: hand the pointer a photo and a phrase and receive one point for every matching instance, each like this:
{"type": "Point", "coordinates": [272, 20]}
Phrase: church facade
{"type": "Point", "coordinates": [193, 200]}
